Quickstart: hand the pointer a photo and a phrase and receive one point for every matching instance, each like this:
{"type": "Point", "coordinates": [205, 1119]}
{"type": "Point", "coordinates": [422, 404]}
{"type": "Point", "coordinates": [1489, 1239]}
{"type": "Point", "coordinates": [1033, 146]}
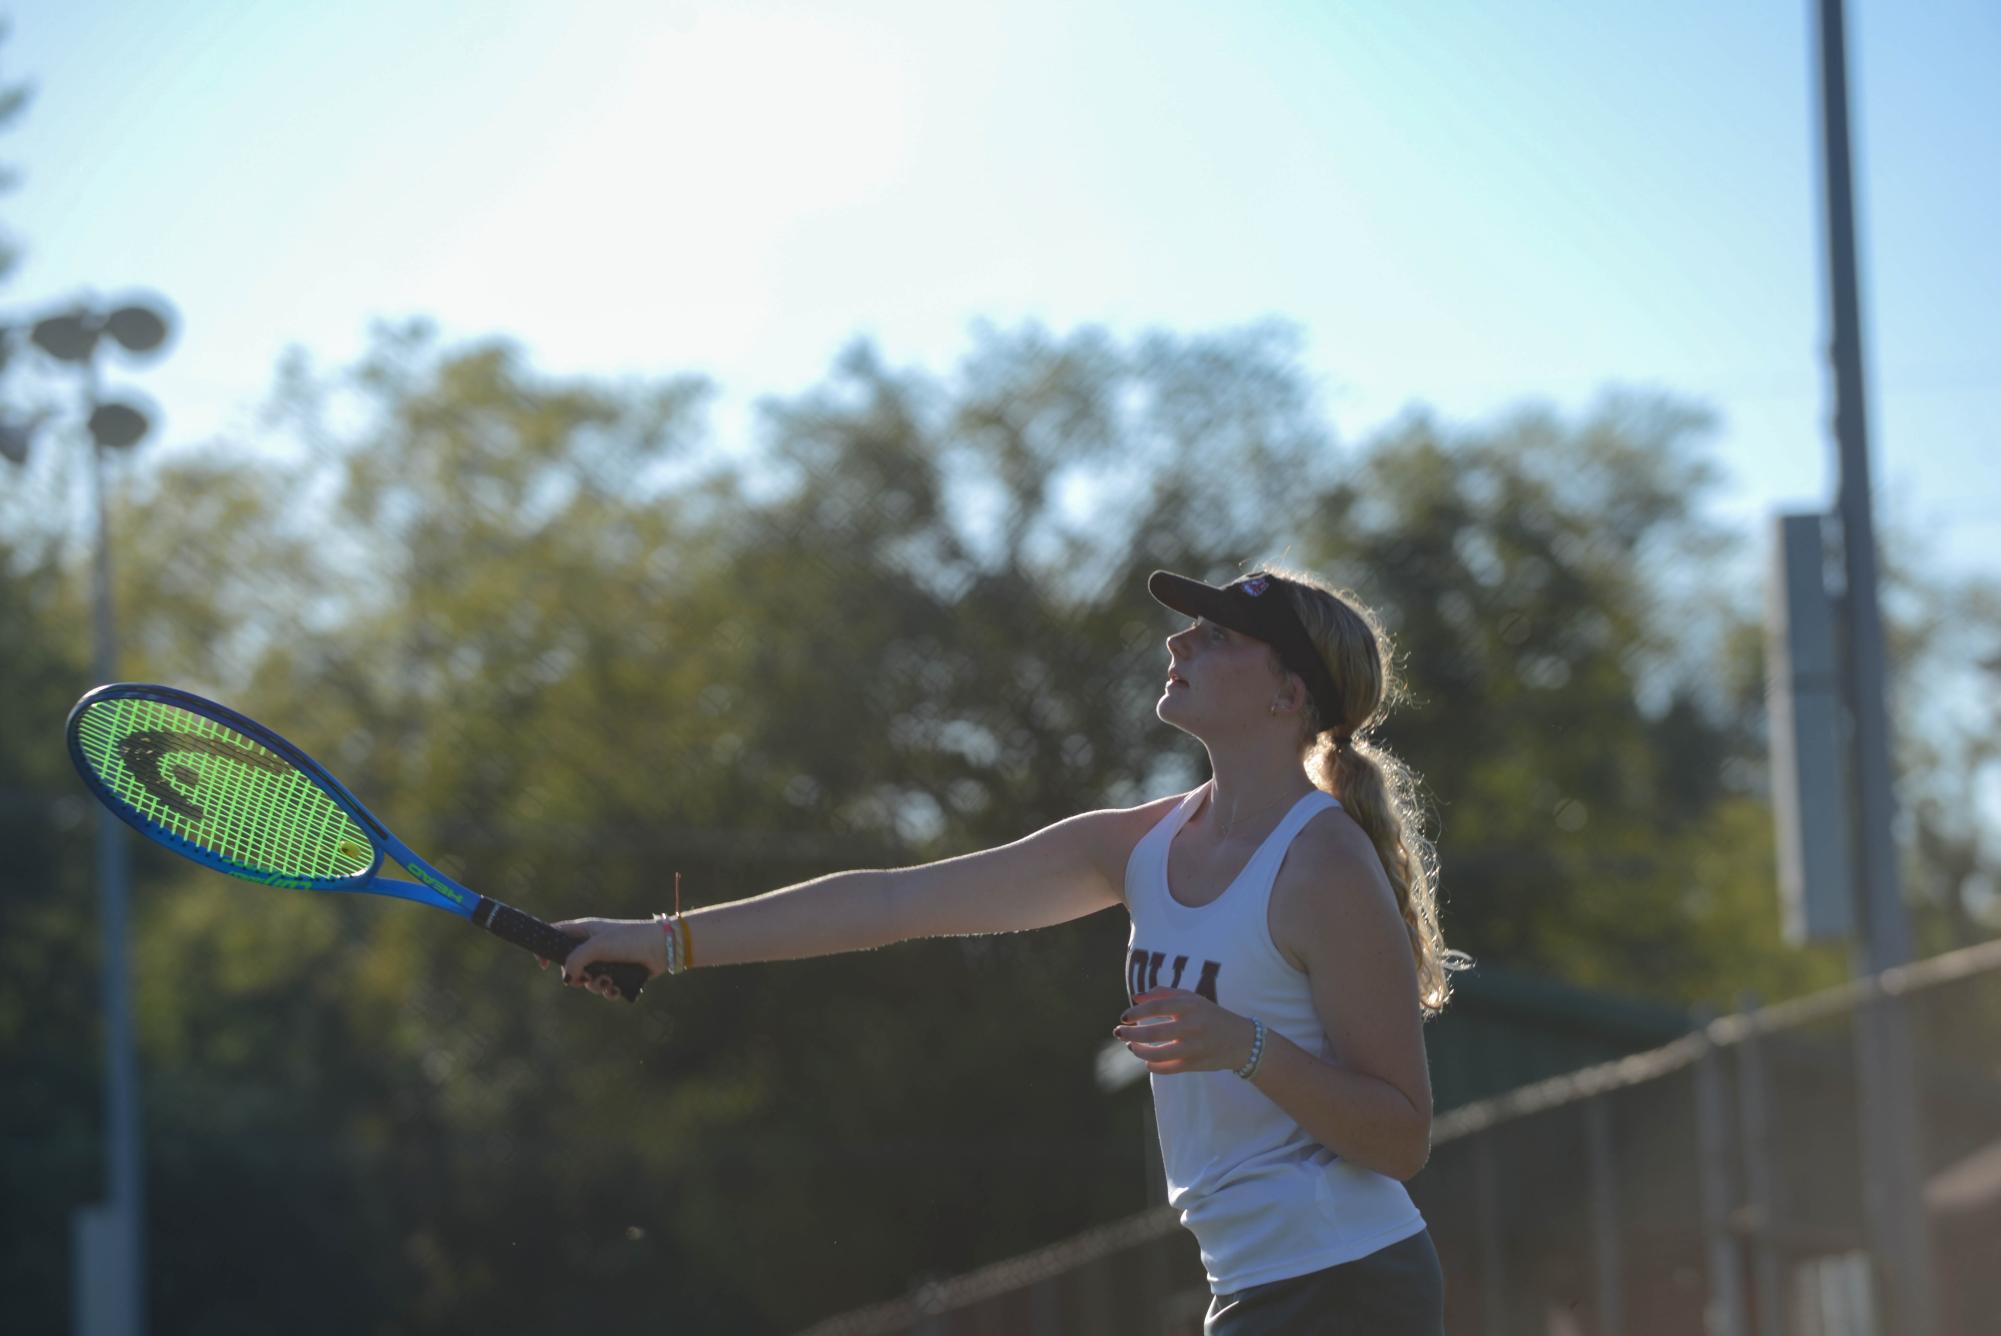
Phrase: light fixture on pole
{"type": "Point", "coordinates": [110, 1253]}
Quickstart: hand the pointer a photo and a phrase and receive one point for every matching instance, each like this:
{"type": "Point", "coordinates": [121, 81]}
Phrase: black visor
{"type": "Point", "coordinates": [1257, 605]}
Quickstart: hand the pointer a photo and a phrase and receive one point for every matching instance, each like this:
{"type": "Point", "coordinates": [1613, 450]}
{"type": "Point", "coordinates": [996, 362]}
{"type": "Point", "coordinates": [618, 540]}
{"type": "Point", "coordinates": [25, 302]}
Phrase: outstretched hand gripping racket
{"type": "Point", "coordinates": [229, 793]}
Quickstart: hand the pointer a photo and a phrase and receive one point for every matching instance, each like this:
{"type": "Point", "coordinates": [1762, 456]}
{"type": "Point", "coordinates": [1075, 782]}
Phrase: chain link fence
{"type": "Point", "coordinates": [913, 626]}
{"type": "Point", "coordinates": [1713, 1184]}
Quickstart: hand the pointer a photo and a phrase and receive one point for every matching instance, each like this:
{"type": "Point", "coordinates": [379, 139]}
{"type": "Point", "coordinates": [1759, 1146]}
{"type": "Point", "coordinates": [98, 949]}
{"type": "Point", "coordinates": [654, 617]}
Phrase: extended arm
{"type": "Point", "coordinates": [1059, 873]}
{"type": "Point", "coordinates": [842, 911]}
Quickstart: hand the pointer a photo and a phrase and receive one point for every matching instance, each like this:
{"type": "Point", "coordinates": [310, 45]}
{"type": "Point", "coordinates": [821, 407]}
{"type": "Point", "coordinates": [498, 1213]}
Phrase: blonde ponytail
{"type": "Point", "coordinates": [1375, 787]}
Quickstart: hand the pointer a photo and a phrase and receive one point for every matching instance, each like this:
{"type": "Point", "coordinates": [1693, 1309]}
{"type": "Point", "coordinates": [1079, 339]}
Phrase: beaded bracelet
{"type": "Point", "coordinates": [1250, 1068]}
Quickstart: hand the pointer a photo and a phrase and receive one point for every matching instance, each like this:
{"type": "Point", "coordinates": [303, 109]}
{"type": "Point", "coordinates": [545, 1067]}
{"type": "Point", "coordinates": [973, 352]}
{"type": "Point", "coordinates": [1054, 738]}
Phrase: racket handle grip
{"type": "Point", "coordinates": [532, 934]}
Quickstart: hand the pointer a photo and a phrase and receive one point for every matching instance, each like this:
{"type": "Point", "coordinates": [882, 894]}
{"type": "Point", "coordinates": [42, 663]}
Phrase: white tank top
{"type": "Point", "coordinates": [1264, 1200]}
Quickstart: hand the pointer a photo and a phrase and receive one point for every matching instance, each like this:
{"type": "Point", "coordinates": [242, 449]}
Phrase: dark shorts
{"type": "Point", "coordinates": [1394, 1291]}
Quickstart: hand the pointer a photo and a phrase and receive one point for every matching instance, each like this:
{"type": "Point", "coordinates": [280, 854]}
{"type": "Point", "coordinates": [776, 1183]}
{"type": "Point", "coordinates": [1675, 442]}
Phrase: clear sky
{"type": "Point", "coordinates": [1464, 205]}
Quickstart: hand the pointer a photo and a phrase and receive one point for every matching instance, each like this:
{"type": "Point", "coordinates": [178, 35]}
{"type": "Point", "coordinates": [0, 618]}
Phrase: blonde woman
{"type": "Point", "coordinates": [1285, 950]}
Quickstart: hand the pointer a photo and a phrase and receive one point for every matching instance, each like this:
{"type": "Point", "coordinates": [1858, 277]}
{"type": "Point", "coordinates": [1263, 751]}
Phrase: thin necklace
{"type": "Point", "coordinates": [1232, 823]}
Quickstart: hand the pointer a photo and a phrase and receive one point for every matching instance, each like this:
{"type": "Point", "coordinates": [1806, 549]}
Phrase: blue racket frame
{"type": "Point", "coordinates": [432, 887]}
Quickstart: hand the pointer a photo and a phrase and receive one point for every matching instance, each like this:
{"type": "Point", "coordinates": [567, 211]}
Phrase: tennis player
{"type": "Point", "coordinates": [1285, 950]}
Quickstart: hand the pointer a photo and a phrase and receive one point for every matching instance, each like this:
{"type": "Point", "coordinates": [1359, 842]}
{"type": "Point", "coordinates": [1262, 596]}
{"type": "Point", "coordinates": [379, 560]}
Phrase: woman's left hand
{"type": "Point", "coordinates": [1173, 1030]}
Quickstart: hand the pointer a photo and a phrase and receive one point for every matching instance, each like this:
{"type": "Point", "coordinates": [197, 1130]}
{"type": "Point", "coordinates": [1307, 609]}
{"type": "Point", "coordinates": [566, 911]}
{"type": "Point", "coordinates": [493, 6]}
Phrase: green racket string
{"type": "Point", "coordinates": [220, 791]}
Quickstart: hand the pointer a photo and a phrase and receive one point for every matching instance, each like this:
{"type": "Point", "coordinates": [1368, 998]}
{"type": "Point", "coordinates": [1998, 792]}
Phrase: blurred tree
{"type": "Point", "coordinates": [1943, 636]}
{"type": "Point", "coordinates": [505, 611]}
{"type": "Point", "coordinates": [50, 1138]}
{"type": "Point", "coordinates": [14, 100]}
{"type": "Point", "coordinates": [50, 1046]}
{"type": "Point", "coordinates": [1530, 574]}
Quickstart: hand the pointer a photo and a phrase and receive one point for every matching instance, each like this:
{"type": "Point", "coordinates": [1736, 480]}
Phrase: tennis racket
{"type": "Point", "coordinates": [230, 794]}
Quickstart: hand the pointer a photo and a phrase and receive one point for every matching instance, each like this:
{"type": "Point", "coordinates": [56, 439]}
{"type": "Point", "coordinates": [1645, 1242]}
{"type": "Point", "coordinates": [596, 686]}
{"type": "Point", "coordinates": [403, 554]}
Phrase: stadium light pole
{"type": "Point", "coordinates": [1893, 1163]}
{"type": "Point", "coordinates": [109, 1287]}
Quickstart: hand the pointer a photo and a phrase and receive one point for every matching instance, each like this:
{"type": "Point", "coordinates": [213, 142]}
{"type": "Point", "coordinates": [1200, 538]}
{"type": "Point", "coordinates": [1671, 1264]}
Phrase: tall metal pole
{"type": "Point", "coordinates": [125, 1195]}
{"type": "Point", "coordinates": [108, 1249]}
{"type": "Point", "coordinates": [1892, 1161]}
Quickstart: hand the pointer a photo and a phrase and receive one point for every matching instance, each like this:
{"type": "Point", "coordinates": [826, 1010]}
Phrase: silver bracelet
{"type": "Point", "coordinates": [1250, 1068]}
{"type": "Point", "coordinates": [667, 930]}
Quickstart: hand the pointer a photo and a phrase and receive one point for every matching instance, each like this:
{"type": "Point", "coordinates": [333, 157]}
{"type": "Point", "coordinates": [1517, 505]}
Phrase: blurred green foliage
{"type": "Point", "coordinates": [561, 651]}
{"type": "Point", "coordinates": [567, 650]}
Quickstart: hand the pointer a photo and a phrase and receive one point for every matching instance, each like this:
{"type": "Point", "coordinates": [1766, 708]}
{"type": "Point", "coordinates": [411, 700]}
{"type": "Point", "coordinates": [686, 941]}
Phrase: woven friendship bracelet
{"type": "Point", "coordinates": [1250, 1068]}
{"type": "Point", "coordinates": [680, 942]}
